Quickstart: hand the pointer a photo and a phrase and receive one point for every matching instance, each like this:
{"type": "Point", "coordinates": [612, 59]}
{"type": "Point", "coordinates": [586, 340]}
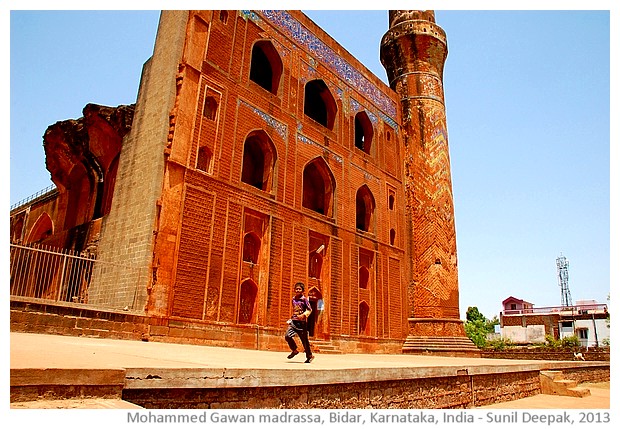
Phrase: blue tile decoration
{"type": "Point", "coordinates": [373, 117]}
{"type": "Point", "coordinates": [339, 92]}
{"type": "Point", "coordinates": [391, 122]}
{"type": "Point", "coordinates": [249, 14]}
{"type": "Point", "coordinates": [303, 139]}
{"type": "Point", "coordinates": [369, 177]}
{"type": "Point", "coordinates": [356, 107]}
{"type": "Point", "coordinates": [439, 134]}
{"type": "Point", "coordinates": [282, 20]}
{"type": "Point", "coordinates": [279, 127]}
{"type": "Point", "coordinates": [310, 72]}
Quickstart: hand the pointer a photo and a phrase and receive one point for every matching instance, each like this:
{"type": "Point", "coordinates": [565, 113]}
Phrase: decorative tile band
{"type": "Point", "coordinates": [306, 140]}
{"type": "Point", "coordinates": [391, 122]}
{"type": "Point", "coordinates": [302, 36]}
{"type": "Point", "coordinates": [369, 177]}
{"type": "Point", "coordinates": [356, 107]}
{"type": "Point", "coordinates": [279, 127]}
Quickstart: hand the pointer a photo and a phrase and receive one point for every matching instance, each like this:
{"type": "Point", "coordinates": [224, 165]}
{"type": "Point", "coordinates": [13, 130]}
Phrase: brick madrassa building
{"type": "Point", "coordinates": [260, 153]}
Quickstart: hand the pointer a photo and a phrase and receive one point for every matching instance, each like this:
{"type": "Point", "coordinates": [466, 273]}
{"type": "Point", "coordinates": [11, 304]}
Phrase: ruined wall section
{"type": "Point", "coordinates": [128, 230]}
{"type": "Point", "coordinates": [81, 156]}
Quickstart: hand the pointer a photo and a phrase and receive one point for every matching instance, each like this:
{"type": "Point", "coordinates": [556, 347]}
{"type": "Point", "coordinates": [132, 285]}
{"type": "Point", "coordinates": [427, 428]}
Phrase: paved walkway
{"type": "Point", "coordinates": [40, 352]}
{"type": "Point", "coordinates": [57, 351]}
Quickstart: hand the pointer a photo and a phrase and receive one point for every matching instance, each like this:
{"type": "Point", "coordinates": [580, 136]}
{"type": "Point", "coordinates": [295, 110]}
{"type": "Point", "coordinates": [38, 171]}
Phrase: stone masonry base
{"type": "Point", "coordinates": [48, 317]}
{"type": "Point", "coordinates": [457, 392]}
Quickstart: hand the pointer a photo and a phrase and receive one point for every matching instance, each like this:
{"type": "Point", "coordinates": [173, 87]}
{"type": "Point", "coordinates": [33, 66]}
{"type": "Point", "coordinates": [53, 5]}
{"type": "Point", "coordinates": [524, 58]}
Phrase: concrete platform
{"type": "Point", "coordinates": [109, 366]}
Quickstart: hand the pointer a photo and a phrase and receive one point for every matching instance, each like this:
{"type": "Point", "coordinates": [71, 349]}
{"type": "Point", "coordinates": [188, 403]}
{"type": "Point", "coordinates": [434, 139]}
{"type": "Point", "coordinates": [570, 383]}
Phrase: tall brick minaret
{"type": "Point", "coordinates": [413, 52]}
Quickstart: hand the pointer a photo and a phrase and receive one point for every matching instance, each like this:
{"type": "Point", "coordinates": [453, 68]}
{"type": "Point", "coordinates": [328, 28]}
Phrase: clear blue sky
{"type": "Point", "coordinates": [528, 101]}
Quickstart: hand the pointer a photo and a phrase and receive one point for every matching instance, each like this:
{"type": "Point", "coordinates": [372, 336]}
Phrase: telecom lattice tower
{"type": "Point", "coordinates": [562, 263]}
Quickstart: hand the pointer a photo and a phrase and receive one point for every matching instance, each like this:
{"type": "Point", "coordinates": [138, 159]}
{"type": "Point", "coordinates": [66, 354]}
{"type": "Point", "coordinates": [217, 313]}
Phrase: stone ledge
{"type": "Point", "coordinates": [30, 384]}
{"type": "Point", "coordinates": [62, 376]}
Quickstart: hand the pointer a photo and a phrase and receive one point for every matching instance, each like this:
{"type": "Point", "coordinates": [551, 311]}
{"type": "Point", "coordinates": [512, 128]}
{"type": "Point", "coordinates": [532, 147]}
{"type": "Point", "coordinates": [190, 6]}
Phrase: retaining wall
{"type": "Point", "coordinates": [540, 353]}
{"type": "Point", "coordinates": [423, 393]}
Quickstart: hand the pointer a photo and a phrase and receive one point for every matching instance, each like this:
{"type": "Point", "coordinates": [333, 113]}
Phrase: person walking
{"type": "Point", "coordinates": [298, 323]}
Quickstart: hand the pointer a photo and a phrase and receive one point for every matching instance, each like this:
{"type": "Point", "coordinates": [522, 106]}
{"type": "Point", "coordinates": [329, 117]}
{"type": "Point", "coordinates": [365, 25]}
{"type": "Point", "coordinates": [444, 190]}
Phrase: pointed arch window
{"type": "Point", "coordinates": [224, 16]}
{"type": "Point", "coordinates": [259, 157]}
{"type": "Point", "coordinates": [247, 300]}
{"type": "Point", "coordinates": [251, 248]}
{"type": "Point", "coordinates": [42, 229]}
{"type": "Point", "coordinates": [363, 132]}
{"type": "Point", "coordinates": [315, 265]}
{"type": "Point", "coordinates": [203, 162]}
{"type": "Point", "coordinates": [266, 66]}
{"type": "Point", "coordinates": [318, 187]}
{"type": "Point", "coordinates": [364, 209]}
{"type": "Point", "coordinates": [392, 237]}
{"type": "Point", "coordinates": [17, 229]}
{"type": "Point", "coordinates": [319, 103]}
{"type": "Point", "coordinates": [363, 277]}
{"type": "Point", "coordinates": [364, 311]}
{"type": "Point", "coordinates": [210, 109]}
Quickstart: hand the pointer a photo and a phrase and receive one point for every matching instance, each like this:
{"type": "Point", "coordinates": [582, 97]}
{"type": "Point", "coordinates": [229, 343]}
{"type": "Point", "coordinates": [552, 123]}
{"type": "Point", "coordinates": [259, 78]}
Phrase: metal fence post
{"type": "Point", "coordinates": [62, 276]}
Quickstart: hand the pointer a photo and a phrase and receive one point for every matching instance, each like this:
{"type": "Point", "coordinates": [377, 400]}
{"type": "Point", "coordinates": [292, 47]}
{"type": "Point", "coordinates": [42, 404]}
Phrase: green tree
{"type": "Point", "coordinates": [474, 314]}
{"type": "Point", "coordinates": [477, 326]}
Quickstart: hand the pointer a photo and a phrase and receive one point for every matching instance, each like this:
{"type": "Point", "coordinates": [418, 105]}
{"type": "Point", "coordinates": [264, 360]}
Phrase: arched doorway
{"type": "Point", "coordinates": [315, 321]}
{"type": "Point", "coordinates": [247, 299]}
{"type": "Point", "coordinates": [42, 229]}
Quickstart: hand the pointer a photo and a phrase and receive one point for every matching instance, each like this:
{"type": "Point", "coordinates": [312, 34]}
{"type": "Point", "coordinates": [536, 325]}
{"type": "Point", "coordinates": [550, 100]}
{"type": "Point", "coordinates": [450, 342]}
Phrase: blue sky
{"type": "Point", "coordinates": [528, 102]}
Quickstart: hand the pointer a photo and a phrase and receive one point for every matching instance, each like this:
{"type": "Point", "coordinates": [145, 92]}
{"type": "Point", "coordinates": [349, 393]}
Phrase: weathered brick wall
{"type": "Point", "coordinates": [548, 320]}
{"type": "Point", "coordinates": [429, 393]}
{"type": "Point", "coordinates": [592, 353]}
{"type": "Point", "coordinates": [75, 319]}
{"type": "Point", "coordinates": [494, 388]}
{"type": "Point", "coordinates": [198, 271]}
{"type": "Point", "coordinates": [587, 375]}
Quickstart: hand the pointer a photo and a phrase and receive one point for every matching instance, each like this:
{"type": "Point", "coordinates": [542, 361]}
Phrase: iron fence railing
{"type": "Point", "coordinates": [572, 309]}
{"type": "Point", "coordinates": [51, 188]}
{"type": "Point", "coordinates": [63, 275]}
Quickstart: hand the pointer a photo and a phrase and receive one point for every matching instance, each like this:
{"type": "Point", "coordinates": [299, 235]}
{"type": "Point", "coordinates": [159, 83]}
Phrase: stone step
{"type": "Point", "coordinates": [567, 383]}
{"type": "Point", "coordinates": [325, 347]}
{"type": "Point", "coordinates": [578, 392]}
{"type": "Point", "coordinates": [552, 383]}
{"type": "Point", "coordinates": [553, 375]}
{"type": "Point", "coordinates": [439, 343]}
